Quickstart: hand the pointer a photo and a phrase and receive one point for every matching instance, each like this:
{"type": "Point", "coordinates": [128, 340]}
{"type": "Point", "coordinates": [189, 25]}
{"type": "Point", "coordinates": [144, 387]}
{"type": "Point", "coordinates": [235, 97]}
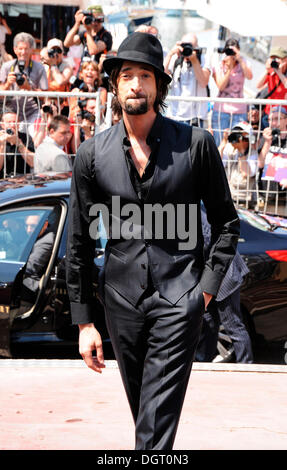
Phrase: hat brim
{"type": "Point", "coordinates": [111, 62]}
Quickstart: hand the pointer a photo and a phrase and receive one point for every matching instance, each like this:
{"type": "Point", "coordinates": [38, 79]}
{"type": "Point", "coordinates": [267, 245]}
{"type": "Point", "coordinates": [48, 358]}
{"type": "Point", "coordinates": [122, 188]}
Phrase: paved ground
{"type": "Point", "coordinates": [62, 405]}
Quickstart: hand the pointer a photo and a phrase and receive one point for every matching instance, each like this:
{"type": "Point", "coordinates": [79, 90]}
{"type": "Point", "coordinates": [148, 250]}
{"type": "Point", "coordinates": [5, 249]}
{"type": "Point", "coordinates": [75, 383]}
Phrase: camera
{"type": "Point", "coordinates": [84, 114]}
{"type": "Point", "coordinates": [47, 109]}
{"type": "Point", "coordinates": [89, 17]}
{"type": "Point", "coordinates": [274, 64]}
{"type": "Point", "coordinates": [9, 131]}
{"type": "Point", "coordinates": [78, 83]}
{"type": "Point", "coordinates": [51, 53]}
{"type": "Point", "coordinates": [188, 49]}
{"type": "Point", "coordinates": [225, 50]}
{"type": "Point", "coordinates": [275, 133]}
{"type": "Point", "coordinates": [20, 76]}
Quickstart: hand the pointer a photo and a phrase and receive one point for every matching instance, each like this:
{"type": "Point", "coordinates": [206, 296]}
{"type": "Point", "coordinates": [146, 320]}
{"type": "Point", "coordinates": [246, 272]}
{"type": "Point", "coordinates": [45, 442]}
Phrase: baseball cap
{"type": "Point", "coordinates": [55, 43]}
{"type": "Point", "coordinates": [97, 10]}
{"type": "Point", "coordinates": [278, 109]}
{"type": "Point", "coordinates": [278, 52]}
{"type": "Point", "coordinates": [243, 127]}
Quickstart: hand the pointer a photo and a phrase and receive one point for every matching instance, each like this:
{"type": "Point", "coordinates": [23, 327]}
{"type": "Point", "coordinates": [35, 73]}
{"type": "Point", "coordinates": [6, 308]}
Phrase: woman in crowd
{"type": "Point", "coordinates": [91, 82]}
{"type": "Point", "coordinates": [229, 77]}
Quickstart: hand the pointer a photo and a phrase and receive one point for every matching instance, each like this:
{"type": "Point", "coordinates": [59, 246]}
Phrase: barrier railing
{"type": "Point", "coordinates": [257, 177]}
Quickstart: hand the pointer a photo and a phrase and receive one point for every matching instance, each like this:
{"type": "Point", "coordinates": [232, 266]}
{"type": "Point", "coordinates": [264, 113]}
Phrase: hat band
{"type": "Point", "coordinates": [138, 56]}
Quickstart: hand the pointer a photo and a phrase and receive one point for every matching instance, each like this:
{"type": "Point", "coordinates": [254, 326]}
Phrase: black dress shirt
{"type": "Point", "coordinates": [142, 183]}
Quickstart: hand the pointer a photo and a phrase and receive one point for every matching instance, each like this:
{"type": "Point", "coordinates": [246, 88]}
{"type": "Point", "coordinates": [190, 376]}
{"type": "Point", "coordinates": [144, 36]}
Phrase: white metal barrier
{"type": "Point", "coordinates": [261, 191]}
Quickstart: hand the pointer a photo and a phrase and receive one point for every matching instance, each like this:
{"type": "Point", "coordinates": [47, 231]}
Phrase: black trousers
{"type": "Point", "coordinates": [154, 345]}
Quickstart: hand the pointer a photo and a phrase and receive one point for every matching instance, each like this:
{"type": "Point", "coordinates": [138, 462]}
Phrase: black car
{"type": "Point", "coordinates": [34, 305]}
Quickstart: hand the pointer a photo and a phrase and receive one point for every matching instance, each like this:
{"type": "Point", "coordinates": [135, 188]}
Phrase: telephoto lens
{"type": "Point", "coordinates": [187, 49]}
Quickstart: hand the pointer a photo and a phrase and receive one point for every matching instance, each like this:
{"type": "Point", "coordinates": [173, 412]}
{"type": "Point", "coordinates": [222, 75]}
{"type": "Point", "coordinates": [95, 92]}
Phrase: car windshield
{"type": "Point", "coordinates": [18, 231]}
{"type": "Point", "coordinates": [255, 220]}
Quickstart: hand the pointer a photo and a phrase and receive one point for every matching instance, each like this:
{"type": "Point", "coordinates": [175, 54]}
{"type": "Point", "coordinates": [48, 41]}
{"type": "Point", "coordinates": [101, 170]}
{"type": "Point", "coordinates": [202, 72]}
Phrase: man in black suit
{"type": "Point", "coordinates": [155, 283]}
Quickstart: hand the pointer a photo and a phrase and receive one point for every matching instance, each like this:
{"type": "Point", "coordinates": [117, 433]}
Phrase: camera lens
{"type": "Point", "coordinates": [51, 53]}
{"type": "Point", "coordinates": [47, 109]}
{"type": "Point", "coordinates": [275, 132]}
{"type": "Point", "coordinates": [187, 49]}
{"type": "Point", "coordinates": [274, 64]}
{"type": "Point", "coordinates": [229, 51]}
{"type": "Point", "coordinates": [9, 131]}
{"type": "Point", "coordinates": [20, 79]}
{"type": "Point", "coordinates": [88, 20]}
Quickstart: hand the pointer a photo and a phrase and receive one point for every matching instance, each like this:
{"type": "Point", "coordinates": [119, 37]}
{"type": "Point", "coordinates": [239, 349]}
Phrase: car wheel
{"type": "Point", "coordinates": [225, 350]}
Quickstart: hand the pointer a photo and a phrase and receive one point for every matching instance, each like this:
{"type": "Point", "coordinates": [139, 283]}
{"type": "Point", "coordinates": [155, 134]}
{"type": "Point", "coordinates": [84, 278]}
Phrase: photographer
{"type": "Point", "coordinates": [59, 70]}
{"type": "Point", "coordinates": [49, 109]}
{"type": "Point", "coordinates": [16, 148]}
{"type": "Point", "coordinates": [273, 83]}
{"type": "Point", "coordinates": [273, 156]}
{"type": "Point", "coordinates": [4, 30]}
{"type": "Point", "coordinates": [190, 71]}
{"type": "Point", "coordinates": [240, 156]}
{"type": "Point", "coordinates": [95, 39]}
{"type": "Point", "coordinates": [24, 74]}
{"type": "Point", "coordinates": [85, 126]}
{"type": "Point", "coordinates": [229, 77]}
{"type": "Point", "coordinates": [90, 81]}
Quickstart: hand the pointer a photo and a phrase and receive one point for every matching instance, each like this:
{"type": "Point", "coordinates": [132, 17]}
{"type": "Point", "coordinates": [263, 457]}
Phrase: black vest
{"type": "Point", "coordinates": [176, 181]}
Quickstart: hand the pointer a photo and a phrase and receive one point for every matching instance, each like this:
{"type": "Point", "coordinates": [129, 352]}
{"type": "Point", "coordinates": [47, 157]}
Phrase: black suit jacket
{"type": "Point", "coordinates": [188, 170]}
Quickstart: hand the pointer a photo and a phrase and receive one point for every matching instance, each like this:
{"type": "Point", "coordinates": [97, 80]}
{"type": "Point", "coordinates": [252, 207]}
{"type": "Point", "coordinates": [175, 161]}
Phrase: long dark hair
{"type": "Point", "coordinates": [161, 87]}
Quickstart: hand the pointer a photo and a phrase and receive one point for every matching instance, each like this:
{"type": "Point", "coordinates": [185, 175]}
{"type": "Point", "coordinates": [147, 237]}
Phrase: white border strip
{"type": "Point", "coordinates": [197, 366]}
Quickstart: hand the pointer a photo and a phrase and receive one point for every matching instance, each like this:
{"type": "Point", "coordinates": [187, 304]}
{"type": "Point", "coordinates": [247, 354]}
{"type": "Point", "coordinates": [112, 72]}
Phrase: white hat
{"type": "Point", "coordinates": [55, 43]}
{"type": "Point", "coordinates": [242, 126]}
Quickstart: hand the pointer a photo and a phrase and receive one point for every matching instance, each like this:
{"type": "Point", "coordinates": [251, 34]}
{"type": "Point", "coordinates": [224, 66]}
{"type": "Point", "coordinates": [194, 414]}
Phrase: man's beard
{"type": "Point", "coordinates": [136, 109]}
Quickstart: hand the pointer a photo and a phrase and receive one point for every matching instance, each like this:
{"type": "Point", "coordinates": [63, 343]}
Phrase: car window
{"type": "Point", "coordinates": [18, 231]}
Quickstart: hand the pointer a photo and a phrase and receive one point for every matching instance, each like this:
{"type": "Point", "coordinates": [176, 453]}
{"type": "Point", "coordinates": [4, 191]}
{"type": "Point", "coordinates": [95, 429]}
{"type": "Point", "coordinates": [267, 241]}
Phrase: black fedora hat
{"type": "Point", "coordinates": [139, 47]}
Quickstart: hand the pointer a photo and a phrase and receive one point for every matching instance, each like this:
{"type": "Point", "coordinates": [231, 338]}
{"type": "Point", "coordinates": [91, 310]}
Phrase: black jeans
{"type": "Point", "coordinates": [155, 345]}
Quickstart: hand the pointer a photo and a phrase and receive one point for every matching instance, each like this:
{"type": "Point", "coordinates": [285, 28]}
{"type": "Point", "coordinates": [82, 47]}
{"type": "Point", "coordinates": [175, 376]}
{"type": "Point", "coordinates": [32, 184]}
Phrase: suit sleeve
{"type": "Point", "coordinates": [221, 215]}
{"type": "Point", "coordinates": [80, 246]}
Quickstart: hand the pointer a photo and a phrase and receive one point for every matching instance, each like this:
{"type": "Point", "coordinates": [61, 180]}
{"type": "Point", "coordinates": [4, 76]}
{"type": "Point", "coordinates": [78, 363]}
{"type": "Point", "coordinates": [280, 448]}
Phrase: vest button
{"type": "Point", "coordinates": [143, 286]}
{"type": "Point", "coordinates": [143, 266]}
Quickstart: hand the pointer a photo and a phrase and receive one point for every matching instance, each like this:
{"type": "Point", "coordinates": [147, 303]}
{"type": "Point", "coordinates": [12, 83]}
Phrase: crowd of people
{"type": "Point", "coordinates": [40, 135]}
{"type": "Point", "coordinates": [247, 136]}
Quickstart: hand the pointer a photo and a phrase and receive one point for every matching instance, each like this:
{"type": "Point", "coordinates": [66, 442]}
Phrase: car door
{"type": "Point", "coordinates": [29, 238]}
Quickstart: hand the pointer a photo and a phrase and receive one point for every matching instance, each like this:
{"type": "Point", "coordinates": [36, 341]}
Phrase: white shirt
{"type": "Point", "coordinates": [185, 84]}
{"type": "Point", "coordinates": [50, 156]}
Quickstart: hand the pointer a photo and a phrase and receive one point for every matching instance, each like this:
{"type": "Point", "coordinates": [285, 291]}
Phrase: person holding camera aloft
{"type": "Point", "coordinates": [273, 83]}
{"type": "Point", "coordinates": [229, 77]}
{"type": "Point", "coordinates": [190, 71]}
{"type": "Point", "coordinates": [16, 148]}
{"type": "Point", "coordinates": [239, 155]}
{"type": "Point", "coordinates": [95, 39]}
{"type": "Point", "coordinates": [58, 69]}
{"type": "Point", "coordinates": [273, 155]}
{"type": "Point", "coordinates": [4, 30]}
{"type": "Point", "coordinates": [24, 74]}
